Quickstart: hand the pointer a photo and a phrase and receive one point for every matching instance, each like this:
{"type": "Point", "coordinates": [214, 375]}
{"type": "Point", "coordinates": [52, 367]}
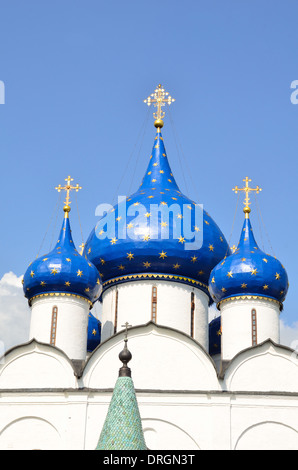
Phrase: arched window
{"type": "Point", "coordinates": [254, 340]}
{"type": "Point", "coordinates": [192, 314]}
{"type": "Point", "coordinates": [116, 312]}
{"type": "Point", "coordinates": [154, 304]}
{"type": "Point", "coordinates": [54, 326]}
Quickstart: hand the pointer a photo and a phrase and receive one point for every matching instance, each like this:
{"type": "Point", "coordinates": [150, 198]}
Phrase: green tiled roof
{"type": "Point", "coordinates": [122, 429]}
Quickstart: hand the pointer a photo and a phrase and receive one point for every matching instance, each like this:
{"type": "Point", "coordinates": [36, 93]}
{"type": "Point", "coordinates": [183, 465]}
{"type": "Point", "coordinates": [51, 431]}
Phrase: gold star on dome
{"type": "Point", "coordinates": [230, 274]}
{"type": "Point", "coordinates": [113, 241]}
{"type": "Point", "coordinates": [253, 272]}
{"type": "Point", "coordinates": [146, 238]}
{"type": "Point", "coordinates": [181, 240]}
{"type": "Point", "coordinates": [147, 264]}
{"type": "Point", "coordinates": [98, 281]}
{"type": "Point", "coordinates": [176, 266]}
{"type": "Point", "coordinates": [68, 260]}
{"type": "Point", "coordinates": [163, 255]}
{"type": "Point", "coordinates": [265, 287]}
{"type": "Point", "coordinates": [223, 289]}
{"type": "Point", "coordinates": [179, 216]}
{"type": "Point", "coordinates": [213, 280]}
{"type": "Point", "coordinates": [148, 214]}
{"type": "Point", "coordinates": [163, 203]}
{"type": "Point", "coordinates": [163, 224]}
{"type": "Point", "coordinates": [42, 283]}
{"type": "Point", "coordinates": [87, 289]}
{"type": "Point", "coordinates": [67, 284]}
{"type": "Point", "coordinates": [102, 261]}
{"type": "Point", "coordinates": [94, 332]}
{"type": "Point", "coordinates": [211, 248]}
{"type": "Point", "coordinates": [32, 274]}
{"type": "Point", "coordinates": [265, 260]}
{"type": "Point", "coordinates": [277, 276]}
{"type": "Point", "coordinates": [244, 286]}
{"type": "Point", "coordinates": [121, 267]}
{"type": "Point", "coordinates": [194, 259]}
{"type": "Point", "coordinates": [130, 255]}
{"type": "Point", "coordinates": [197, 229]}
{"type": "Point", "coordinates": [54, 271]}
{"type": "Point", "coordinates": [161, 171]}
{"type": "Point", "coordinates": [200, 273]}
{"type": "Point", "coordinates": [130, 225]}
{"type": "Point", "coordinates": [45, 259]}
{"type": "Point", "coordinates": [79, 273]}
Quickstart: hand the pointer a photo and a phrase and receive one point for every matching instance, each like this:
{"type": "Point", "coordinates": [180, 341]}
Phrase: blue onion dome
{"type": "Point", "coordinates": [94, 333]}
{"type": "Point", "coordinates": [215, 336]}
{"type": "Point", "coordinates": [62, 271]}
{"type": "Point", "coordinates": [156, 233]}
{"type": "Point", "coordinates": [248, 272]}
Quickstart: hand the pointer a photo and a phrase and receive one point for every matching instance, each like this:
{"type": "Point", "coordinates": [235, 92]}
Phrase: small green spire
{"type": "Point", "coordinates": [122, 428]}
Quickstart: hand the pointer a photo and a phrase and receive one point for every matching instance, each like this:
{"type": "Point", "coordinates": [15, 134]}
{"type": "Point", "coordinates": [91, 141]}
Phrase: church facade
{"type": "Point", "coordinates": [154, 264]}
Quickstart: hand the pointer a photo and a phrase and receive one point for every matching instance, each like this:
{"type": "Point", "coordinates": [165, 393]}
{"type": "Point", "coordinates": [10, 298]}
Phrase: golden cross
{"type": "Point", "coordinates": [159, 98]}
{"type": "Point", "coordinates": [247, 190]}
{"type": "Point", "coordinates": [68, 187]}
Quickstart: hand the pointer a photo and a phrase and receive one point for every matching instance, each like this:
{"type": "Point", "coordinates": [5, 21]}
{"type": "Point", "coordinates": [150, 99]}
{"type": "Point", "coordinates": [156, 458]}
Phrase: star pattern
{"type": "Point", "coordinates": [165, 251]}
{"type": "Point", "coordinates": [62, 270]}
{"type": "Point", "coordinates": [248, 270]}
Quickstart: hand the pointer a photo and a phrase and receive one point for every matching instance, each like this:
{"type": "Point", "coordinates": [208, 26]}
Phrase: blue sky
{"type": "Point", "coordinates": [76, 74]}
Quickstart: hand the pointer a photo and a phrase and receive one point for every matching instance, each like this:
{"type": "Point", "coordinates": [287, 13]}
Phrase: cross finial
{"type": "Point", "coordinates": [126, 326]}
{"type": "Point", "coordinates": [247, 190]}
{"type": "Point", "coordinates": [68, 187]}
{"type": "Point", "coordinates": [159, 98]}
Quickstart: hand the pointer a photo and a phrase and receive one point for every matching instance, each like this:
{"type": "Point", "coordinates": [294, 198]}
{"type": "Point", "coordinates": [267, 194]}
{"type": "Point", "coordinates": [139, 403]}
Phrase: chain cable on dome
{"type": "Point", "coordinates": [54, 229]}
{"type": "Point", "coordinates": [130, 157]}
{"type": "Point", "coordinates": [177, 143]}
{"type": "Point", "coordinates": [145, 124]}
{"type": "Point", "coordinates": [81, 229]}
{"type": "Point", "coordinates": [261, 217]}
{"type": "Point", "coordinates": [233, 223]}
{"type": "Point", "coordinates": [51, 219]}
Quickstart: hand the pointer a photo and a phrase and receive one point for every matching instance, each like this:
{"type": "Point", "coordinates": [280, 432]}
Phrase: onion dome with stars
{"type": "Point", "coordinates": [248, 271]}
{"type": "Point", "coordinates": [63, 271]}
{"type": "Point", "coordinates": [157, 232]}
{"type": "Point", "coordinates": [93, 333]}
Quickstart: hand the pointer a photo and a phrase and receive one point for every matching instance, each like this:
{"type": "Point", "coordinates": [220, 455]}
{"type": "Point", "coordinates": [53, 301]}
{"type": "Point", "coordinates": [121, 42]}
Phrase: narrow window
{"type": "Point", "coordinates": [154, 304]}
{"type": "Point", "coordinates": [254, 327]}
{"type": "Point", "coordinates": [116, 312]}
{"type": "Point", "coordinates": [54, 326]}
{"type": "Point", "coordinates": [192, 314]}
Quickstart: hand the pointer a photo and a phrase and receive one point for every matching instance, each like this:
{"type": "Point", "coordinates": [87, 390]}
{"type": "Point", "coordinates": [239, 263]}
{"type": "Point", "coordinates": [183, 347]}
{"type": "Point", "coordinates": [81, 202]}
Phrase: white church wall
{"type": "Point", "coordinates": [173, 307]}
{"type": "Point", "coordinates": [162, 359]}
{"type": "Point", "coordinates": [236, 321]}
{"type": "Point", "coordinates": [34, 365]}
{"type": "Point", "coordinates": [263, 422]}
{"type": "Point", "coordinates": [71, 323]}
{"type": "Point", "coordinates": [266, 367]}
